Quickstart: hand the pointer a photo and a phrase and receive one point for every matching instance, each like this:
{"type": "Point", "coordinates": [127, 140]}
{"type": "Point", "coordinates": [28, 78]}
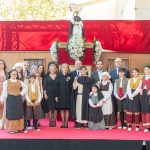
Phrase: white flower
{"type": "Point", "coordinates": [97, 50]}
{"type": "Point", "coordinates": [54, 51]}
{"type": "Point", "coordinates": [76, 47]}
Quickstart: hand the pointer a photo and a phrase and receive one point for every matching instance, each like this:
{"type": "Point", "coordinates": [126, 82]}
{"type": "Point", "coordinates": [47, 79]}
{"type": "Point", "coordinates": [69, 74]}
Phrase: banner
{"type": "Point", "coordinates": [115, 35]}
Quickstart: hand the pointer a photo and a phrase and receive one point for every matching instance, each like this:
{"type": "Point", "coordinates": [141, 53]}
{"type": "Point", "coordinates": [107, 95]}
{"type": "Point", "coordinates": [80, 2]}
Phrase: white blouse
{"type": "Point", "coordinates": [4, 92]}
{"type": "Point", "coordinates": [136, 92]}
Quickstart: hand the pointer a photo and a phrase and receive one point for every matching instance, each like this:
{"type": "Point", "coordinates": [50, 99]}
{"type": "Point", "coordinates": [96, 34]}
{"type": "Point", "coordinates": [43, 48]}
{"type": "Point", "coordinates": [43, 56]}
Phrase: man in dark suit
{"type": "Point", "coordinates": [114, 75]}
{"type": "Point", "coordinates": [114, 72]}
{"type": "Point", "coordinates": [96, 76]}
{"type": "Point", "coordinates": [76, 72]}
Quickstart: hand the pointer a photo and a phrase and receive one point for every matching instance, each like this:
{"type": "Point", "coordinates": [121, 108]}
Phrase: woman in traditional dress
{"type": "Point", "coordinates": [145, 99]}
{"type": "Point", "coordinates": [64, 94]}
{"type": "Point", "coordinates": [19, 68]}
{"type": "Point", "coordinates": [83, 86]}
{"type": "Point", "coordinates": [108, 111]}
{"type": "Point", "coordinates": [133, 100]}
{"type": "Point", "coordinates": [96, 118]}
{"type": "Point", "coordinates": [3, 76]}
{"type": "Point", "coordinates": [51, 93]}
{"type": "Point", "coordinates": [14, 108]}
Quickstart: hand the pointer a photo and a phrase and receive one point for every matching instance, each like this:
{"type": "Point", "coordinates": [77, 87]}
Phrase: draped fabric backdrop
{"type": "Point", "coordinates": [119, 36]}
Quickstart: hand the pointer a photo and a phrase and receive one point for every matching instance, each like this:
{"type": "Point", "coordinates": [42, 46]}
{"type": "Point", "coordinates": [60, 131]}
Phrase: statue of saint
{"type": "Point", "coordinates": [76, 24]}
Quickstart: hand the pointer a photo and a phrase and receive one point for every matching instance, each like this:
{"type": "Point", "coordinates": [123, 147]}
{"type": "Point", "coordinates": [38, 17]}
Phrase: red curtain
{"type": "Point", "coordinates": [63, 57]}
{"type": "Point", "coordinates": [122, 36]}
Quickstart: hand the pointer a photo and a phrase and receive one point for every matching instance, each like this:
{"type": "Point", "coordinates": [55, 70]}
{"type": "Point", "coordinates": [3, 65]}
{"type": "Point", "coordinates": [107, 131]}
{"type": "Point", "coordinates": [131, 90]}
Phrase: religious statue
{"type": "Point", "coordinates": [76, 24]}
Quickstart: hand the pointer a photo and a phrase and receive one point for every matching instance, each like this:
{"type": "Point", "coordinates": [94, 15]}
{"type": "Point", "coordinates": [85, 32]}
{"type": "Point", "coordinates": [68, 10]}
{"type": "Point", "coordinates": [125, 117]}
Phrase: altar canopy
{"type": "Point", "coordinates": [115, 35]}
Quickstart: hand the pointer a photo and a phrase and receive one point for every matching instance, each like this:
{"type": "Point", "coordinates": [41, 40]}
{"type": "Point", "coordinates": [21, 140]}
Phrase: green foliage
{"type": "Point", "coordinates": [33, 9]}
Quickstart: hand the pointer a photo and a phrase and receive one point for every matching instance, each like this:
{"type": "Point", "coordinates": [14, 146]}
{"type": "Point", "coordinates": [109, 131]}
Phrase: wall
{"type": "Point", "coordinates": [114, 9]}
{"type": "Point", "coordinates": [102, 10]}
{"type": "Point", "coordinates": [134, 60]}
{"type": "Point", "coordinates": [12, 57]}
{"type": "Point", "coordinates": [142, 9]}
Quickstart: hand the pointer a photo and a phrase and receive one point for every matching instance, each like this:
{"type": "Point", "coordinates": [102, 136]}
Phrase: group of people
{"type": "Point", "coordinates": [92, 101]}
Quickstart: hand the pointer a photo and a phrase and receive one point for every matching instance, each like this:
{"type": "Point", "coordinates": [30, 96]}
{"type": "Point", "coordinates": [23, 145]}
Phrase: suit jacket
{"type": "Point", "coordinates": [95, 77]}
{"type": "Point", "coordinates": [74, 74]}
{"type": "Point", "coordinates": [114, 76]}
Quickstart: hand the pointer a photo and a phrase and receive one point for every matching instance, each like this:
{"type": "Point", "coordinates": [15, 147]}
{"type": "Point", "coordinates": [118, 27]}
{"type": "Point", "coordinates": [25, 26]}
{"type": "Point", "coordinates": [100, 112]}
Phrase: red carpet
{"type": "Point", "coordinates": [72, 133]}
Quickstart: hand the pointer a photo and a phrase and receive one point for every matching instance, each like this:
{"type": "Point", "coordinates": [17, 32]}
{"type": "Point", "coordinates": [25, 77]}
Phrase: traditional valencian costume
{"type": "Point", "coordinates": [108, 111]}
{"type": "Point", "coordinates": [96, 118]}
{"type": "Point", "coordinates": [14, 107]}
{"type": "Point", "coordinates": [145, 102]}
{"type": "Point", "coordinates": [133, 102]}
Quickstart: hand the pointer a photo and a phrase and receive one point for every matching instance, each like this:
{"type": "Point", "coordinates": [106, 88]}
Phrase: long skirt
{"type": "Point", "coordinates": [96, 126]}
{"type": "Point", "coordinates": [133, 114]}
{"type": "Point", "coordinates": [109, 114]}
{"type": "Point", "coordinates": [14, 113]}
{"type": "Point", "coordinates": [96, 119]}
{"type": "Point", "coordinates": [133, 118]}
{"type": "Point", "coordinates": [145, 109]}
{"type": "Point", "coordinates": [145, 102]}
{"type": "Point", "coordinates": [3, 117]}
{"type": "Point", "coordinates": [1, 110]}
{"type": "Point", "coordinates": [110, 120]}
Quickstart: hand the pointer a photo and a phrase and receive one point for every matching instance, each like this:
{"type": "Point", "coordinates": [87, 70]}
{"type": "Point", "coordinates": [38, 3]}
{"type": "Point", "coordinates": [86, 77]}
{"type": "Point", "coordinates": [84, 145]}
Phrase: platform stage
{"type": "Point", "coordinates": [50, 138]}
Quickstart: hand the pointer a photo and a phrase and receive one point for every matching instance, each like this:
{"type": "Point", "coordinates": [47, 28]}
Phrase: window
{"type": "Point", "coordinates": [35, 62]}
{"type": "Point", "coordinates": [125, 63]}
